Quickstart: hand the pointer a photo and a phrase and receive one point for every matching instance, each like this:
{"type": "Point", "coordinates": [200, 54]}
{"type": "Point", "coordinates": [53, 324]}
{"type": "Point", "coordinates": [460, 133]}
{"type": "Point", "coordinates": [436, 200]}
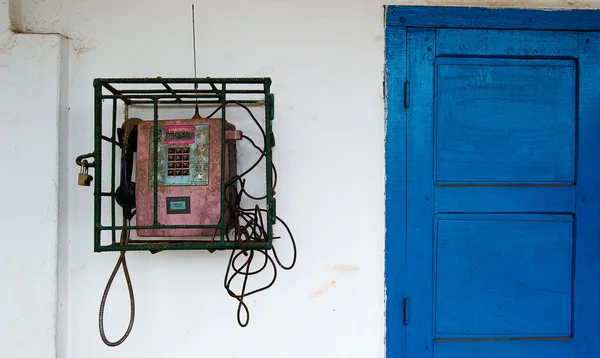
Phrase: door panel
{"type": "Point", "coordinates": [485, 286]}
{"type": "Point", "coordinates": [502, 193]}
{"type": "Point", "coordinates": [505, 349]}
{"type": "Point", "coordinates": [505, 121]}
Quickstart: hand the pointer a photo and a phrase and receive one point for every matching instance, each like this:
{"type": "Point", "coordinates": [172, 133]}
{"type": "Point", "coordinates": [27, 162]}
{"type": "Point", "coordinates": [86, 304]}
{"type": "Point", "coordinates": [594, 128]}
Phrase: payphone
{"type": "Point", "coordinates": [190, 191]}
{"type": "Point", "coordinates": [188, 175]}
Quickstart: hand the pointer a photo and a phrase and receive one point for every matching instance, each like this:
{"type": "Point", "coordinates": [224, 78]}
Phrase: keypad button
{"type": "Point", "coordinates": [177, 165]}
{"type": "Point", "coordinates": [186, 150]}
{"type": "Point", "coordinates": [170, 165]}
{"type": "Point", "coordinates": [171, 157]}
{"type": "Point", "coordinates": [178, 157]}
{"type": "Point", "coordinates": [186, 172]}
{"type": "Point", "coordinates": [177, 172]}
{"type": "Point", "coordinates": [185, 164]}
{"type": "Point", "coordinates": [171, 150]}
{"type": "Point", "coordinates": [186, 157]}
{"type": "Point", "coordinates": [171, 172]}
{"type": "Point", "coordinates": [178, 150]}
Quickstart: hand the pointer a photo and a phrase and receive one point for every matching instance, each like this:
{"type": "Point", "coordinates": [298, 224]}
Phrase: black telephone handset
{"type": "Point", "coordinates": [125, 197]}
{"type": "Point", "coordinates": [125, 193]}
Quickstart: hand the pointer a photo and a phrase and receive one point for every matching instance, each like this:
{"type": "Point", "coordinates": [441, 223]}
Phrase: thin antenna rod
{"type": "Point", "coordinates": [194, 39]}
{"type": "Point", "coordinates": [196, 115]}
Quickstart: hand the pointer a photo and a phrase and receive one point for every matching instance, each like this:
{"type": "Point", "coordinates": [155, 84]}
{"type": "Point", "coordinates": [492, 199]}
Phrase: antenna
{"type": "Point", "coordinates": [196, 114]}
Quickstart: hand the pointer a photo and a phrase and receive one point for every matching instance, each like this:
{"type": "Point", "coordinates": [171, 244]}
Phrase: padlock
{"type": "Point", "coordinates": [84, 179]}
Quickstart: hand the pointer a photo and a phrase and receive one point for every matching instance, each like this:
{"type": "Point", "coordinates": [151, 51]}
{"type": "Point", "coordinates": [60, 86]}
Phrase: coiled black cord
{"type": "Point", "coordinates": [235, 269]}
{"type": "Point", "coordinates": [250, 227]}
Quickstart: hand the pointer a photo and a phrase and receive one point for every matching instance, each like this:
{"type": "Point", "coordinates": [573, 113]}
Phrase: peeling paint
{"type": "Point", "coordinates": [83, 44]}
{"type": "Point", "coordinates": [80, 45]}
{"type": "Point", "coordinates": [52, 17]}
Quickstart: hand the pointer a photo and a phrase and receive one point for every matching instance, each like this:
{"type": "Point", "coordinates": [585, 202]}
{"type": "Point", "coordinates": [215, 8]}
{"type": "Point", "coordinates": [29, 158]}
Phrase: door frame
{"type": "Point", "coordinates": [397, 99]}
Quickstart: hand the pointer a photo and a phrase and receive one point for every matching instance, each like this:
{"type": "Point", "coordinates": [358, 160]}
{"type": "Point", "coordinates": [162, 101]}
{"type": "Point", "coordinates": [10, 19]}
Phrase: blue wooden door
{"type": "Point", "coordinates": [503, 194]}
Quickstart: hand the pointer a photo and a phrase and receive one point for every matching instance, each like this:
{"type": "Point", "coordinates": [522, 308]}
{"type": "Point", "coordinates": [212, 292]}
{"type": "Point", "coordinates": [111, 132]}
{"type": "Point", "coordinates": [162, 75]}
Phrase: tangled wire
{"type": "Point", "coordinates": [250, 227]}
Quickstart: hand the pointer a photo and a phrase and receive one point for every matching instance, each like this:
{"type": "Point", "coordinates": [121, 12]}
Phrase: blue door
{"type": "Point", "coordinates": [502, 178]}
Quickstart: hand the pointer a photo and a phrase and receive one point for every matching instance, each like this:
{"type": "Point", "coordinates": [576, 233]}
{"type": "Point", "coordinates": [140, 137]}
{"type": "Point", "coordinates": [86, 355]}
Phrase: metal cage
{"type": "Point", "coordinates": [158, 92]}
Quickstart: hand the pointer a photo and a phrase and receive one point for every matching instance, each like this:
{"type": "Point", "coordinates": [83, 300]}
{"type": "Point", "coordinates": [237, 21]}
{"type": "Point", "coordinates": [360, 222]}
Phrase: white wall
{"type": "Point", "coordinates": [29, 117]}
{"type": "Point", "coordinates": [326, 64]}
{"type": "Point", "coordinates": [326, 60]}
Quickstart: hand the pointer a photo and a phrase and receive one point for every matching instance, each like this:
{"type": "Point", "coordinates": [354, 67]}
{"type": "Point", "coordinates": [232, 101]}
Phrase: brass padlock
{"type": "Point", "coordinates": [84, 179]}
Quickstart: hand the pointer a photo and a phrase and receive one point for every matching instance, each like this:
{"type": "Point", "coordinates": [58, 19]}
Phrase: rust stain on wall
{"type": "Point", "coordinates": [322, 290]}
{"type": "Point", "coordinates": [345, 268]}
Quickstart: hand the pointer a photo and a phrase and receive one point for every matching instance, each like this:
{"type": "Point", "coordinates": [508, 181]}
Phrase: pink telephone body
{"type": "Point", "coordinates": [188, 176]}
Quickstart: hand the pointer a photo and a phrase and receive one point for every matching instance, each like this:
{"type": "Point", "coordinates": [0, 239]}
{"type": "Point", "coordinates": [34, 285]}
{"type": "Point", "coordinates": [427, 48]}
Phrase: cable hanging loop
{"type": "Point", "coordinates": [120, 262]}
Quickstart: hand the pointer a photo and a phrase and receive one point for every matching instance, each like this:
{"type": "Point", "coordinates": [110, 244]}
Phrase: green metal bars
{"type": "Point", "coordinates": [159, 92]}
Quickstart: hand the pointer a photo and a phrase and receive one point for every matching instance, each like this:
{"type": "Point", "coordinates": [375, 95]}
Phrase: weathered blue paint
{"type": "Point", "coordinates": [492, 186]}
{"type": "Point", "coordinates": [419, 334]}
{"type": "Point", "coordinates": [395, 187]}
{"type": "Point", "coordinates": [493, 126]}
{"type": "Point", "coordinates": [485, 285]}
{"type": "Point", "coordinates": [474, 17]}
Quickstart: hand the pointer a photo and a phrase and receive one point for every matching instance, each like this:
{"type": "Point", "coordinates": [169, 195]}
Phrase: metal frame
{"type": "Point", "coordinates": [167, 93]}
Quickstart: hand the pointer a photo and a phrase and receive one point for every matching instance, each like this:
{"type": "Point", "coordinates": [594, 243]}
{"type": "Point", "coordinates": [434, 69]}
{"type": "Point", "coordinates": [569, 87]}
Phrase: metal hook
{"type": "Point", "coordinates": [84, 163]}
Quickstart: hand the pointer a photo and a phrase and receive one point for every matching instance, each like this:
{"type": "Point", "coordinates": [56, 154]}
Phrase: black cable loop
{"type": "Point", "coordinates": [239, 177]}
{"type": "Point", "coordinates": [121, 261]}
{"type": "Point", "coordinates": [293, 241]}
{"type": "Point", "coordinates": [240, 271]}
{"type": "Point", "coordinates": [240, 268]}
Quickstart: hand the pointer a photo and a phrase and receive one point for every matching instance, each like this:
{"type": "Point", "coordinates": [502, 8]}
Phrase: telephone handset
{"type": "Point", "coordinates": [125, 193]}
{"type": "Point", "coordinates": [188, 174]}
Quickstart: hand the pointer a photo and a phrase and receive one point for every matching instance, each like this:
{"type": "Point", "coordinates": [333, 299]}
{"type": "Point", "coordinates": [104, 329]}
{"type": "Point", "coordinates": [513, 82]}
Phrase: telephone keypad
{"type": "Point", "coordinates": [178, 161]}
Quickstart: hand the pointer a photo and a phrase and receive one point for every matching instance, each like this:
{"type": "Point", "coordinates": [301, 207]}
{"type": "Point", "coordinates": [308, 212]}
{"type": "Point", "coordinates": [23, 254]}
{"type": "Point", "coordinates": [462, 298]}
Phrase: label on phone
{"type": "Point", "coordinates": [179, 205]}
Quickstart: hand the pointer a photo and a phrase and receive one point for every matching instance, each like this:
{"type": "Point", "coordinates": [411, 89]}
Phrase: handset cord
{"type": "Point", "coordinates": [121, 261]}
